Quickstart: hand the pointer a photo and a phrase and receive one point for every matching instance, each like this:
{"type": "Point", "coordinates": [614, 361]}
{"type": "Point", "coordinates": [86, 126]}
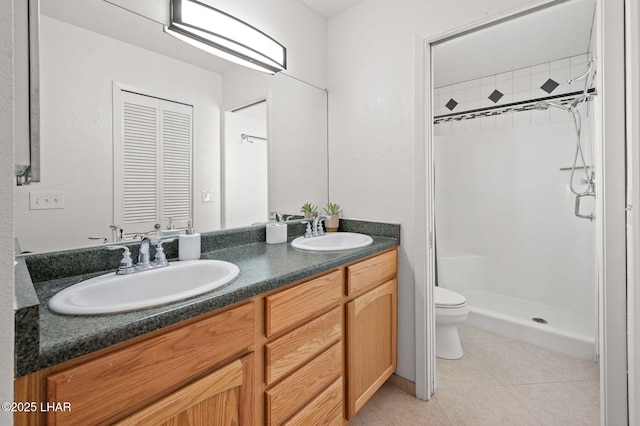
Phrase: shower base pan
{"type": "Point", "coordinates": [541, 325]}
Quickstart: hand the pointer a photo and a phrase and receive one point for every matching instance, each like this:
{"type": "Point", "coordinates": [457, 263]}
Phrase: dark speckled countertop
{"type": "Point", "coordinates": [263, 267]}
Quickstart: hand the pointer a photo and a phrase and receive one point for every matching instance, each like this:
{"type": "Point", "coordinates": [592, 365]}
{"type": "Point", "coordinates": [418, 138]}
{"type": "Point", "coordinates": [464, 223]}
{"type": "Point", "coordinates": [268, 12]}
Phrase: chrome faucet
{"type": "Point", "coordinates": [126, 265]}
{"type": "Point", "coordinates": [144, 261]}
{"type": "Point", "coordinates": [317, 224]}
{"type": "Point", "coordinates": [315, 228]}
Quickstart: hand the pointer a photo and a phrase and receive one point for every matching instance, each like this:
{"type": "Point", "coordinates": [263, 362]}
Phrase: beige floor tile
{"type": "Point", "coordinates": [392, 406]}
{"type": "Point", "coordinates": [498, 382]}
{"type": "Point", "coordinates": [513, 364]}
{"type": "Point", "coordinates": [568, 367]}
{"type": "Point", "coordinates": [475, 334]}
{"type": "Point", "coordinates": [489, 406]}
{"type": "Point", "coordinates": [564, 403]}
{"type": "Point", "coordinates": [466, 372]}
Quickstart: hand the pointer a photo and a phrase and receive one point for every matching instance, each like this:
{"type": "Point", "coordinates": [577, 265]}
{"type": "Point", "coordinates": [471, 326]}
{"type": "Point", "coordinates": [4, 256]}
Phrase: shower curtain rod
{"type": "Point", "coordinates": [246, 137]}
{"type": "Point", "coordinates": [528, 105]}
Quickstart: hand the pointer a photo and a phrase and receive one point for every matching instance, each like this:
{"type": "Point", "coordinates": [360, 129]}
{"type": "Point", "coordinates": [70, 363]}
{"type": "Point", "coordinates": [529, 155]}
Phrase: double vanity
{"type": "Point", "coordinates": [300, 336]}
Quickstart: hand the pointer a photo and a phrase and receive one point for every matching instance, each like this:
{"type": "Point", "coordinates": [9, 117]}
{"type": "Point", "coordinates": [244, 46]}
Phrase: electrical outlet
{"type": "Point", "coordinates": [46, 200]}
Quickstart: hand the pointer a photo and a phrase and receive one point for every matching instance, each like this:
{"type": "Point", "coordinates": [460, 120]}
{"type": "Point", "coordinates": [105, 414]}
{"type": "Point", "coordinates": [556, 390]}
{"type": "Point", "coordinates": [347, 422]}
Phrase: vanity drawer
{"type": "Point", "coordinates": [299, 304]}
{"type": "Point", "coordinates": [294, 392]}
{"type": "Point", "coordinates": [371, 272]}
{"type": "Point", "coordinates": [288, 352]}
{"type": "Point", "coordinates": [117, 384]}
{"type": "Point", "coordinates": [325, 409]}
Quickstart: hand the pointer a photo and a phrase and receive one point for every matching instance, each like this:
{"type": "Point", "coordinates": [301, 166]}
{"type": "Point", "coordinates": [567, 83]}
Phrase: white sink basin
{"type": "Point", "coordinates": [332, 241]}
{"type": "Point", "coordinates": [113, 293]}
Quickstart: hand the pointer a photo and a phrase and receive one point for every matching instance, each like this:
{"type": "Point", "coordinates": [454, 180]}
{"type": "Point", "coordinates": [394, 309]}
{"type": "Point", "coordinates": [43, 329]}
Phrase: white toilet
{"type": "Point", "coordinates": [451, 310]}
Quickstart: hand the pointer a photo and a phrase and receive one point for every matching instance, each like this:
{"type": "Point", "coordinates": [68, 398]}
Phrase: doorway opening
{"type": "Point", "coordinates": [246, 165]}
{"type": "Point", "coordinates": [612, 373]}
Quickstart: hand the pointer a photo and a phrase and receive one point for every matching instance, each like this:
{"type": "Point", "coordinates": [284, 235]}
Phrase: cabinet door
{"type": "Point", "coordinates": [371, 343]}
{"type": "Point", "coordinates": [113, 386]}
{"type": "Point", "coordinates": [224, 397]}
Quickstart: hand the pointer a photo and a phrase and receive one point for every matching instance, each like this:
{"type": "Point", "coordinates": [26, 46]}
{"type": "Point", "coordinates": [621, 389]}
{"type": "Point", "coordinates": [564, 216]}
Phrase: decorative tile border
{"type": "Point", "coordinates": [536, 81]}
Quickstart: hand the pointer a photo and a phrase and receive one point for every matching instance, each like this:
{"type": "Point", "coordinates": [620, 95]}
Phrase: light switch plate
{"type": "Point", "coordinates": [207, 196]}
{"type": "Point", "coordinates": [41, 200]}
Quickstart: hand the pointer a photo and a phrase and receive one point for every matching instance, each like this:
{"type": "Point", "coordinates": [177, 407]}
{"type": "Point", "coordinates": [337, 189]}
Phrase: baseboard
{"type": "Point", "coordinates": [404, 384]}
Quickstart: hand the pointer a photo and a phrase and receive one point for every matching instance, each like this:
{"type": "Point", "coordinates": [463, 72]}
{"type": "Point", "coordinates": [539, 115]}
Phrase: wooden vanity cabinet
{"type": "Point", "coordinates": [304, 366]}
{"type": "Point", "coordinates": [208, 362]}
{"type": "Point", "coordinates": [312, 353]}
{"type": "Point", "coordinates": [307, 379]}
{"type": "Point", "coordinates": [371, 327]}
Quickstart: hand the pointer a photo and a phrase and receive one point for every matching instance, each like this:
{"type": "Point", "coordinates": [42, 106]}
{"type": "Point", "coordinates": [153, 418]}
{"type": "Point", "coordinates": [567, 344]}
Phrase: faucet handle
{"type": "Point", "coordinates": [308, 233]}
{"type": "Point", "coordinates": [126, 263]}
{"type": "Point", "coordinates": [160, 258]}
{"type": "Point", "coordinates": [160, 241]}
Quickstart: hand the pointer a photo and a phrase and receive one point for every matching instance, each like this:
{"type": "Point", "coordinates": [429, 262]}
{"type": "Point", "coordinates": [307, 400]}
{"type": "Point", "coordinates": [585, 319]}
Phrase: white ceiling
{"type": "Point", "coordinates": [550, 34]}
{"type": "Point", "coordinates": [330, 8]}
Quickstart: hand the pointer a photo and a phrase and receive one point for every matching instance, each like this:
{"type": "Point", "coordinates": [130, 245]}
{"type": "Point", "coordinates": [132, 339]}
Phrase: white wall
{"type": "Point", "coordinates": [7, 183]}
{"type": "Point", "coordinates": [78, 68]}
{"type": "Point", "coordinates": [371, 82]}
{"type": "Point", "coordinates": [301, 30]}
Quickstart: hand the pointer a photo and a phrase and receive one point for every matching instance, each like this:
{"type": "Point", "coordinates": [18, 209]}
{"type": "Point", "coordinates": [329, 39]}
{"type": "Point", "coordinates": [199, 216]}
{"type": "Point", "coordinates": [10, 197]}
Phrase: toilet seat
{"type": "Point", "coordinates": [450, 303]}
{"type": "Point", "coordinates": [448, 299]}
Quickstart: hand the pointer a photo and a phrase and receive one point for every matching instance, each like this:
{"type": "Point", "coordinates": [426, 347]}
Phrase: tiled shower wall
{"type": "Point", "coordinates": [537, 81]}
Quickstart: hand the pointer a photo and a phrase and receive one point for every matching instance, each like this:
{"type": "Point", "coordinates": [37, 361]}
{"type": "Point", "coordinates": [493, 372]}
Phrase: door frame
{"type": "Point", "coordinates": [632, 71]}
{"type": "Point", "coordinates": [610, 229]}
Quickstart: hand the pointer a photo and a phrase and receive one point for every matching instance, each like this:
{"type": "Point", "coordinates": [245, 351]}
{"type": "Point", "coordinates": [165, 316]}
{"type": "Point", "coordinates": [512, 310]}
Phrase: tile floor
{"type": "Point", "coordinates": [499, 381]}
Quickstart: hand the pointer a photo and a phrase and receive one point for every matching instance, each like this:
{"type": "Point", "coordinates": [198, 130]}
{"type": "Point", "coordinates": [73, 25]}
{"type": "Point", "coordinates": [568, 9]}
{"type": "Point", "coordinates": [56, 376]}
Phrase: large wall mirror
{"type": "Point", "coordinates": [93, 51]}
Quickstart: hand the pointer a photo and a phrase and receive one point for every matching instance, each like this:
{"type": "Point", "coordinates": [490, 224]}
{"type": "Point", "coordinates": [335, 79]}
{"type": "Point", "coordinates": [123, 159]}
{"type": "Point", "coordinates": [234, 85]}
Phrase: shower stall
{"type": "Point", "coordinates": [515, 196]}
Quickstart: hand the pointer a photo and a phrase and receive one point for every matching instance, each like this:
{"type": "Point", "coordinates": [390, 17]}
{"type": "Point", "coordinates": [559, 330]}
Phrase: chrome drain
{"type": "Point", "coordinates": [539, 320]}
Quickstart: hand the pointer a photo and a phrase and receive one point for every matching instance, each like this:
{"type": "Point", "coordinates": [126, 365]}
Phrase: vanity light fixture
{"type": "Point", "coordinates": [223, 35]}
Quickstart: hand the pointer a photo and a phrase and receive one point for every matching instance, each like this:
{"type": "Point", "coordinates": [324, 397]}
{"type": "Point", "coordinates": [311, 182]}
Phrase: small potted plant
{"type": "Point", "coordinates": [309, 210]}
{"type": "Point", "coordinates": [333, 211]}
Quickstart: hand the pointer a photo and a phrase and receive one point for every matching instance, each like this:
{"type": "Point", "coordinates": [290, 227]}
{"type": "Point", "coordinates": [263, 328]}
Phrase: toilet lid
{"type": "Point", "coordinates": [445, 297]}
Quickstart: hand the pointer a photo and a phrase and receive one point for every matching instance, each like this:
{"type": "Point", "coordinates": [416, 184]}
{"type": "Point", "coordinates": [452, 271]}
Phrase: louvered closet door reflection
{"type": "Point", "coordinates": [176, 125]}
{"type": "Point", "coordinates": [153, 166]}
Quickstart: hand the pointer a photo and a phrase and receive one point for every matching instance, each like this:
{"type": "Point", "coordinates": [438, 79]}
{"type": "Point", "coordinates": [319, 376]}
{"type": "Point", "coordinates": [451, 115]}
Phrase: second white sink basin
{"type": "Point", "coordinates": [113, 293]}
{"type": "Point", "coordinates": [333, 241]}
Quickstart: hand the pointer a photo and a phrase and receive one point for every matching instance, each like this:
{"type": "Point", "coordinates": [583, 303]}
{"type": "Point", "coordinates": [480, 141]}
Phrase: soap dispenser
{"type": "Point", "coordinates": [276, 229]}
{"type": "Point", "coordinates": [189, 244]}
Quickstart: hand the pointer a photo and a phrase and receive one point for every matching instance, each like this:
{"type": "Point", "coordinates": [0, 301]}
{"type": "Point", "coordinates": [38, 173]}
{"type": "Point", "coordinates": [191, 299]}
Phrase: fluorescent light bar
{"type": "Point", "coordinates": [225, 36]}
